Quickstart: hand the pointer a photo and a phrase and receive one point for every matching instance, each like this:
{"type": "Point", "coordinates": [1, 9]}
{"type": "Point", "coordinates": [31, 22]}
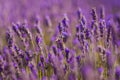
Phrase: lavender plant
{"type": "Point", "coordinates": [89, 51]}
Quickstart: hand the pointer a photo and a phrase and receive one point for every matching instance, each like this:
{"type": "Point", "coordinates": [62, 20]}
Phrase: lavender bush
{"type": "Point", "coordinates": [87, 49]}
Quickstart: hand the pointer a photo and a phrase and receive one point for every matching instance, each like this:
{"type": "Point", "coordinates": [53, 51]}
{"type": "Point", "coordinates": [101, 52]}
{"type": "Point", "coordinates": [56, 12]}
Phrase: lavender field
{"type": "Point", "coordinates": [59, 40]}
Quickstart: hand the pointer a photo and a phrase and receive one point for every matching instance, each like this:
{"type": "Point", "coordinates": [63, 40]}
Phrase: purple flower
{"type": "Point", "coordinates": [54, 49]}
{"type": "Point", "coordinates": [9, 38]}
{"type": "Point", "coordinates": [65, 21]}
{"type": "Point", "coordinates": [65, 36]}
{"type": "Point", "coordinates": [44, 78]}
{"type": "Point", "coordinates": [49, 58]}
{"type": "Point", "coordinates": [38, 40]}
{"type": "Point", "coordinates": [94, 14]}
{"type": "Point", "coordinates": [47, 21]}
{"type": "Point", "coordinates": [15, 28]}
{"type": "Point", "coordinates": [79, 15]}
{"type": "Point", "coordinates": [60, 44]}
{"type": "Point", "coordinates": [53, 77]}
{"type": "Point", "coordinates": [78, 59]}
{"type": "Point", "coordinates": [60, 28]}
{"type": "Point", "coordinates": [67, 53]}
{"type": "Point", "coordinates": [102, 12]}
{"type": "Point", "coordinates": [87, 34]}
{"type": "Point", "coordinates": [117, 73]}
{"type": "Point", "coordinates": [100, 70]}
{"type": "Point", "coordinates": [77, 29]}
{"type": "Point", "coordinates": [42, 59]}
{"type": "Point", "coordinates": [88, 72]}
{"type": "Point", "coordinates": [71, 76]}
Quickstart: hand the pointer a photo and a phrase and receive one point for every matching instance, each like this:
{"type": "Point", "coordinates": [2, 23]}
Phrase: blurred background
{"type": "Point", "coordinates": [18, 10]}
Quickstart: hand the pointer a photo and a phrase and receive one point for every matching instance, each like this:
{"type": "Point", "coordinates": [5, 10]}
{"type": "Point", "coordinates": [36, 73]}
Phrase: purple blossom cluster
{"type": "Point", "coordinates": [88, 50]}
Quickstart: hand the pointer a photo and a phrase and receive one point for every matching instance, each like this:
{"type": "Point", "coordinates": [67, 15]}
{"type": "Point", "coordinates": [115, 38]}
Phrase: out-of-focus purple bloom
{"type": "Point", "coordinates": [44, 78]}
{"type": "Point", "coordinates": [71, 76]}
{"type": "Point", "coordinates": [65, 36]}
{"type": "Point", "coordinates": [100, 70]}
{"type": "Point", "coordinates": [84, 21]}
{"type": "Point", "coordinates": [78, 59]}
{"type": "Point", "coordinates": [67, 53]}
{"type": "Point", "coordinates": [65, 21]}
{"type": "Point", "coordinates": [101, 29]}
{"type": "Point", "coordinates": [47, 21]}
{"type": "Point", "coordinates": [77, 29]}
{"type": "Point", "coordinates": [87, 34]}
{"type": "Point", "coordinates": [49, 58]}
{"type": "Point", "coordinates": [94, 14]}
{"type": "Point", "coordinates": [102, 12]}
{"type": "Point", "coordinates": [117, 73]}
{"type": "Point", "coordinates": [109, 59]}
{"type": "Point", "coordinates": [33, 70]}
{"type": "Point", "coordinates": [15, 28]}
{"type": "Point", "coordinates": [59, 44]}
{"type": "Point", "coordinates": [54, 49]}
{"type": "Point", "coordinates": [79, 15]}
{"type": "Point", "coordinates": [9, 38]}
{"type": "Point", "coordinates": [53, 77]}
{"type": "Point", "coordinates": [88, 73]}
{"type": "Point", "coordinates": [38, 40]}
{"type": "Point", "coordinates": [42, 59]}
{"type": "Point", "coordinates": [60, 28]}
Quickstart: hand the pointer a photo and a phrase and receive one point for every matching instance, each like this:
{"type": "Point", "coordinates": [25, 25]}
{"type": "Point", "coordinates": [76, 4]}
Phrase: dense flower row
{"type": "Point", "coordinates": [91, 52]}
